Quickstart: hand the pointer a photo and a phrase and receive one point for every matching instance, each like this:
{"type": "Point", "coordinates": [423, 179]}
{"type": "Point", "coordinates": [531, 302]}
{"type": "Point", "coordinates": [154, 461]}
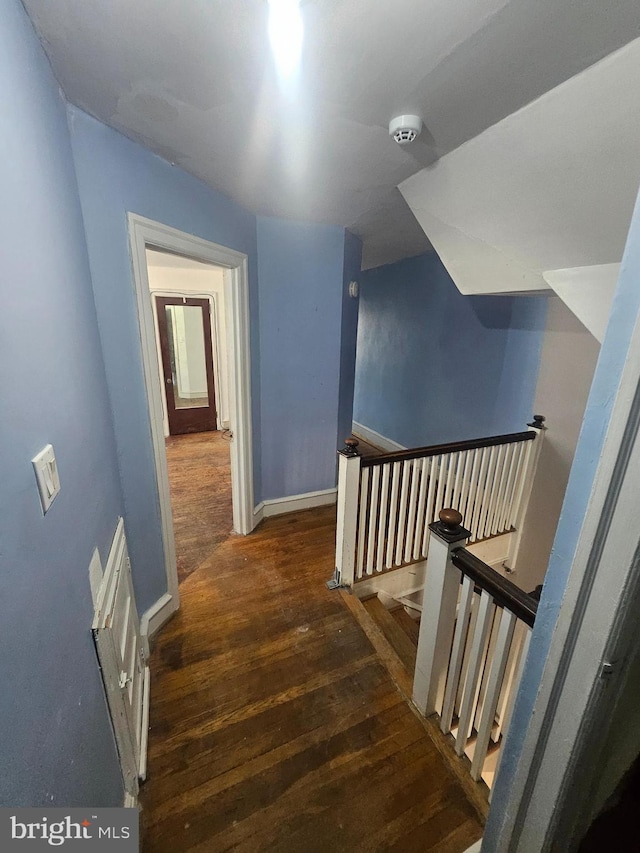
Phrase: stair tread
{"type": "Point", "coordinates": [394, 633]}
{"type": "Point", "coordinates": [410, 626]}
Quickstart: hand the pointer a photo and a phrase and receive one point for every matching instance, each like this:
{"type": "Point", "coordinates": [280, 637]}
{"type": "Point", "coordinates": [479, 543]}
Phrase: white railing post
{"type": "Point", "coordinates": [525, 487]}
{"type": "Point", "coordinates": [438, 612]}
{"type": "Point", "coordinates": [347, 519]}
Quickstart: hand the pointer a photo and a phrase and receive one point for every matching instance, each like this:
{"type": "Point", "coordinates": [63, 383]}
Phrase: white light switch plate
{"type": "Point", "coordinates": [44, 464]}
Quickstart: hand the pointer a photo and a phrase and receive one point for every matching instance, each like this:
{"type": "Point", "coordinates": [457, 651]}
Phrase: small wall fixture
{"type": "Point", "coordinates": [405, 129]}
{"type": "Point", "coordinates": [353, 289]}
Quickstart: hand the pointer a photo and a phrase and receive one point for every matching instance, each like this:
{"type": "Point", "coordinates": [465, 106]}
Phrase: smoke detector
{"type": "Point", "coordinates": [405, 129]}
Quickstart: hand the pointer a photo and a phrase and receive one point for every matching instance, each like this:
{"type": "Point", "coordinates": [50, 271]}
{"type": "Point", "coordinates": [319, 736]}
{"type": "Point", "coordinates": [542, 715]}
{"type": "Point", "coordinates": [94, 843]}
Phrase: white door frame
{"type": "Point", "coordinates": [145, 233]}
{"type": "Point", "coordinates": [594, 641]}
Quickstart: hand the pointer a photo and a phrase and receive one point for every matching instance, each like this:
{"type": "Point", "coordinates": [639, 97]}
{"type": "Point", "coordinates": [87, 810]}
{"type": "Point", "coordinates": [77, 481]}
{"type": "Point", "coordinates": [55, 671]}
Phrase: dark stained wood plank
{"type": "Point", "coordinates": [395, 634]}
{"type": "Point", "coordinates": [274, 723]}
{"type": "Point", "coordinates": [410, 626]}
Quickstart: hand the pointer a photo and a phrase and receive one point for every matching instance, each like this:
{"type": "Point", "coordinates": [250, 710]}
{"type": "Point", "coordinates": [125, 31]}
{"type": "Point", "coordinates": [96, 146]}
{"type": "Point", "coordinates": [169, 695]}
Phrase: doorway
{"type": "Point", "coordinates": [184, 327]}
{"type": "Point", "coordinates": [146, 234]}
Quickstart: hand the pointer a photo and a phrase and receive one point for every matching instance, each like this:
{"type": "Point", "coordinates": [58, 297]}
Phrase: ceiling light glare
{"type": "Point", "coordinates": [285, 35]}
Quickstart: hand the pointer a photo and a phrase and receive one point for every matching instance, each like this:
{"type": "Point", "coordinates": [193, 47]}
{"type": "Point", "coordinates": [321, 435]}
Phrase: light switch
{"type": "Point", "coordinates": [44, 464]}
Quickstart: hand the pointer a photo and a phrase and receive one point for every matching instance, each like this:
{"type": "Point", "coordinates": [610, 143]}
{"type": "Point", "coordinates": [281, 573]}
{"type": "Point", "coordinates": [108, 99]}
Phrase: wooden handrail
{"type": "Point", "coordinates": [454, 447]}
{"type": "Point", "coordinates": [503, 591]}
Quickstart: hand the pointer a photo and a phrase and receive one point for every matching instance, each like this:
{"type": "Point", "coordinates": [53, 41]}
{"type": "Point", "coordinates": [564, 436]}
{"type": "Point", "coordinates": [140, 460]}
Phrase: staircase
{"type": "Point", "coordinates": [452, 631]}
{"type": "Point", "coordinates": [400, 630]}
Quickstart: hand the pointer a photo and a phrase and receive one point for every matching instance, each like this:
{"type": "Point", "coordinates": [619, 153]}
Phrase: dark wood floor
{"type": "Point", "coordinates": [200, 479]}
{"type": "Point", "coordinates": [274, 725]}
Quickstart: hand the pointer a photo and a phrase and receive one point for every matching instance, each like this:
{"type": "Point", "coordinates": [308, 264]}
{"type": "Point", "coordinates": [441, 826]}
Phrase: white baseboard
{"type": "Point", "coordinates": [294, 503]}
{"type": "Point", "coordinates": [156, 616]}
{"type": "Point", "coordinates": [475, 848]}
{"type": "Point", "coordinates": [373, 437]}
{"type": "Point", "coordinates": [392, 583]}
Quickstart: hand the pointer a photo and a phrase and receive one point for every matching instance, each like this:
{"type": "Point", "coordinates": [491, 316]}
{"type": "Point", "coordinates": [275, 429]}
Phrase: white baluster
{"type": "Point", "coordinates": [498, 484]}
{"type": "Point", "coordinates": [430, 515]}
{"type": "Point", "coordinates": [402, 512]}
{"type": "Point", "coordinates": [393, 519]}
{"type": "Point", "coordinates": [474, 671]}
{"type": "Point", "coordinates": [373, 525]}
{"type": "Point", "coordinates": [382, 523]}
{"type": "Point", "coordinates": [480, 494]}
{"type": "Point", "coordinates": [498, 664]}
{"type": "Point", "coordinates": [363, 515]}
{"type": "Point", "coordinates": [411, 510]}
{"type": "Point", "coordinates": [421, 522]}
{"type": "Point", "coordinates": [457, 653]}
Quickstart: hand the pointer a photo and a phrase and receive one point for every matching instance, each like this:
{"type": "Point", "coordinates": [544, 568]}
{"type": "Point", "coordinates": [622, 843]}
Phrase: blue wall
{"type": "Point", "coordinates": [436, 366]}
{"type": "Point", "coordinates": [613, 353]}
{"type": "Point", "coordinates": [350, 307]}
{"type": "Point", "coordinates": [56, 744]}
{"type": "Point", "coordinates": [301, 269]}
{"type": "Point", "coordinates": [116, 176]}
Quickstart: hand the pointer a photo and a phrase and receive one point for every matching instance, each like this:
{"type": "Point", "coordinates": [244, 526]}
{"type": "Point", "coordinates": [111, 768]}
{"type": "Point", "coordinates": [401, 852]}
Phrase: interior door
{"type": "Point", "coordinates": [187, 363]}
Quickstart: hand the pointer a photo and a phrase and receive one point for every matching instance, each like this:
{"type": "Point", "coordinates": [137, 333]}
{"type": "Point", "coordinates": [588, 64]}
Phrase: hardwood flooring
{"type": "Point", "coordinates": [200, 479]}
{"type": "Point", "coordinates": [274, 725]}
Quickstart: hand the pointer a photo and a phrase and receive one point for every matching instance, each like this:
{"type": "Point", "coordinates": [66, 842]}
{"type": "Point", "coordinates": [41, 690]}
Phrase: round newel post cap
{"type": "Point", "coordinates": [538, 422]}
{"type": "Point", "coordinates": [450, 519]}
{"type": "Point", "coordinates": [351, 447]}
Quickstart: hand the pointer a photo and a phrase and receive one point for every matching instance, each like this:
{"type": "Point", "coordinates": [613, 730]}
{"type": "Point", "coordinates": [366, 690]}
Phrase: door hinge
{"type": "Point", "coordinates": [607, 669]}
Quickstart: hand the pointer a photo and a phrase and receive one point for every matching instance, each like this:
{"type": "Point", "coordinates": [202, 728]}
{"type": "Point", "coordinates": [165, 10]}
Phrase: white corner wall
{"type": "Point", "coordinates": [588, 292]}
{"type": "Point", "coordinates": [567, 363]}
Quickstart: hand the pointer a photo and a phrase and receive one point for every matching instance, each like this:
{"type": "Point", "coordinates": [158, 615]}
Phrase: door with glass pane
{"type": "Point", "coordinates": [187, 363]}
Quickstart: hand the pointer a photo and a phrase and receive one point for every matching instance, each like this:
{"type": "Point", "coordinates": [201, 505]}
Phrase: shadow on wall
{"type": "Point", "coordinates": [508, 312]}
{"type": "Point", "coordinates": [435, 366]}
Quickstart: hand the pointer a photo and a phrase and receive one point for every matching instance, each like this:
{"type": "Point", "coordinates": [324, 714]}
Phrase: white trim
{"type": "Point", "coordinates": [258, 513]}
{"type": "Point", "coordinates": [145, 232]}
{"type": "Point", "coordinates": [373, 437]}
{"type": "Point", "coordinates": [130, 802]}
{"type": "Point", "coordinates": [295, 503]}
{"type": "Point", "coordinates": [475, 848]}
{"type": "Point", "coordinates": [217, 374]}
{"type": "Point", "coordinates": [144, 728]}
{"type": "Point", "coordinates": [155, 617]}
{"type": "Point", "coordinates": [393, 583]}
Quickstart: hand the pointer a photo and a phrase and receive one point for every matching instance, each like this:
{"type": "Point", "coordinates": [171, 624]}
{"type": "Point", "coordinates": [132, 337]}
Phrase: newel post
{"type": "Point", "coordinates": [347, 521]}
{"type": "Point", "coordinates": [525, 488]}
{"type": "Point", "coordinates": [438, 611]}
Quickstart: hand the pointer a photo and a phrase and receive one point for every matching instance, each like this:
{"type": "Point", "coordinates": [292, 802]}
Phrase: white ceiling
{"type": "Point", "coordinates": [194, 81]}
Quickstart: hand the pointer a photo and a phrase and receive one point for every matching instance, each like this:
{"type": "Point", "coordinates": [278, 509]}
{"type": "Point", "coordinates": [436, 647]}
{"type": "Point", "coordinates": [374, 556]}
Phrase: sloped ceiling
{"type": "Point", "coordinates": [549, 188]}
{"type": "Point", "coordinates": [194, 81]}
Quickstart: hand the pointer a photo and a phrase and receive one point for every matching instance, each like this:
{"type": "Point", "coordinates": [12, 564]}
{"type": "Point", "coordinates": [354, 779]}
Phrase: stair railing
{"type": "Point", "coordinates": [473, 641]}
{"type": "Point", "coordinates": [386, 503]}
